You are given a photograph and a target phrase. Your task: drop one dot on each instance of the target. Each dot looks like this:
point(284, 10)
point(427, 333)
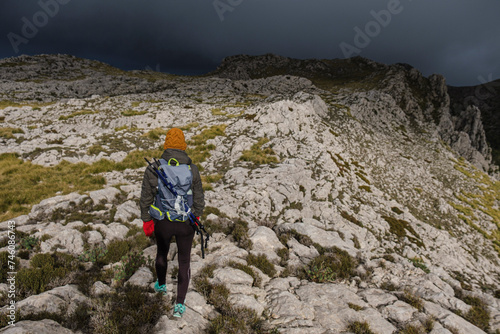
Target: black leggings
point(184, 234)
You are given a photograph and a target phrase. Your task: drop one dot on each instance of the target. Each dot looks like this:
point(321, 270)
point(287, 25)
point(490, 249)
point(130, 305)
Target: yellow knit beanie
point(175, 139)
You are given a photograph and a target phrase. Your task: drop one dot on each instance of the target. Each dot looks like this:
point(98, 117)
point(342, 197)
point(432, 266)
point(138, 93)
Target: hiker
point(164, 229)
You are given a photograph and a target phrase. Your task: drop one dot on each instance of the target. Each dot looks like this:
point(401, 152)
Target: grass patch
point(350, 218)
point(189, 126)
point(131, 112)
point(34, 182)
point(7, 103)
point(355, 307)
point(258, 155)
point(198, 150)
point(95, 149)
point(207, 180)
point(362, 177)
point(77, 113)
point(156, 134)
point(8, 133)
point(485, 199)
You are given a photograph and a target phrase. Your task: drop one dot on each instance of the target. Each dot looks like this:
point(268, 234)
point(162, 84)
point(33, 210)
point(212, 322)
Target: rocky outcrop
point(423, 100)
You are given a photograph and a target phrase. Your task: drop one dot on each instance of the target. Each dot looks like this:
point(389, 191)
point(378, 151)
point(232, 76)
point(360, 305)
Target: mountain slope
point(339, 172)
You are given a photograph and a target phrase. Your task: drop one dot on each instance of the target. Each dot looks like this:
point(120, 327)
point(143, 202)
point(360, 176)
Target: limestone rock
point(142, 277)
point(99, 288)
point(107, 195)
point(45, 326)
point(127, 211)
point(265, 242)
point(65, 298)
point(67, 240)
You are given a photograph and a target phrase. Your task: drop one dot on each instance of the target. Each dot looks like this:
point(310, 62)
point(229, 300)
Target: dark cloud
point(456, 38)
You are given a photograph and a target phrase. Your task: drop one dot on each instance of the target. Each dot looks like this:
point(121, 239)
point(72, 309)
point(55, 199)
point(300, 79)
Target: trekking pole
point(199, 228)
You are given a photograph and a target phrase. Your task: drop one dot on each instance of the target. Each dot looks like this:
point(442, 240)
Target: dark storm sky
point(459, 39)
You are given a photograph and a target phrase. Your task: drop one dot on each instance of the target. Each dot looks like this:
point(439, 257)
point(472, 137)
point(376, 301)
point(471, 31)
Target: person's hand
point(148, 227)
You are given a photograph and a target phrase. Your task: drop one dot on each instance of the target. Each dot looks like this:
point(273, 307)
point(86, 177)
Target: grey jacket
point(150, 184)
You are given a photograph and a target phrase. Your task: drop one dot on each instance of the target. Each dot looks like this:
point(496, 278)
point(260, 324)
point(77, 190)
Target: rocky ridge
point(344, 165)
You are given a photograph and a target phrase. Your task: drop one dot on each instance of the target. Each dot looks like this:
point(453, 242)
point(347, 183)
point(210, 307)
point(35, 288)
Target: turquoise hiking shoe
point(179, 310)
point(162, 289)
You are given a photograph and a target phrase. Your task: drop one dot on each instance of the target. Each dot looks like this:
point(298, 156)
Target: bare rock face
point(309, 166)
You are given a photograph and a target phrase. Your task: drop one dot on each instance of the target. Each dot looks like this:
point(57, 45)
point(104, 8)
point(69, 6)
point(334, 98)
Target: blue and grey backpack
point(166, 204)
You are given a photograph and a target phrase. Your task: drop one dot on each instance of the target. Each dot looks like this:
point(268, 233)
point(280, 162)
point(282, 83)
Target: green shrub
point(239, 231)
point(130, 263)
point(428, 324)
point(301, 238)
point(237, 320)
point(284, 255)
point(419, 263)
point(29, 242)
point(389, 257)
point(412, 329)
point(331, 264)
point(138, 242)
point(45, 268)
point(396, 210)
point(95, 254)
point(478, 315)
point(412, 299)
point(133, 230)
point(130, 310)
point(86, 279)
point(116, 250)
point(42, 260)
point(262, 262)
point(23, 254)
point(359, 327)
point(355, 307)
point(399, 227)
